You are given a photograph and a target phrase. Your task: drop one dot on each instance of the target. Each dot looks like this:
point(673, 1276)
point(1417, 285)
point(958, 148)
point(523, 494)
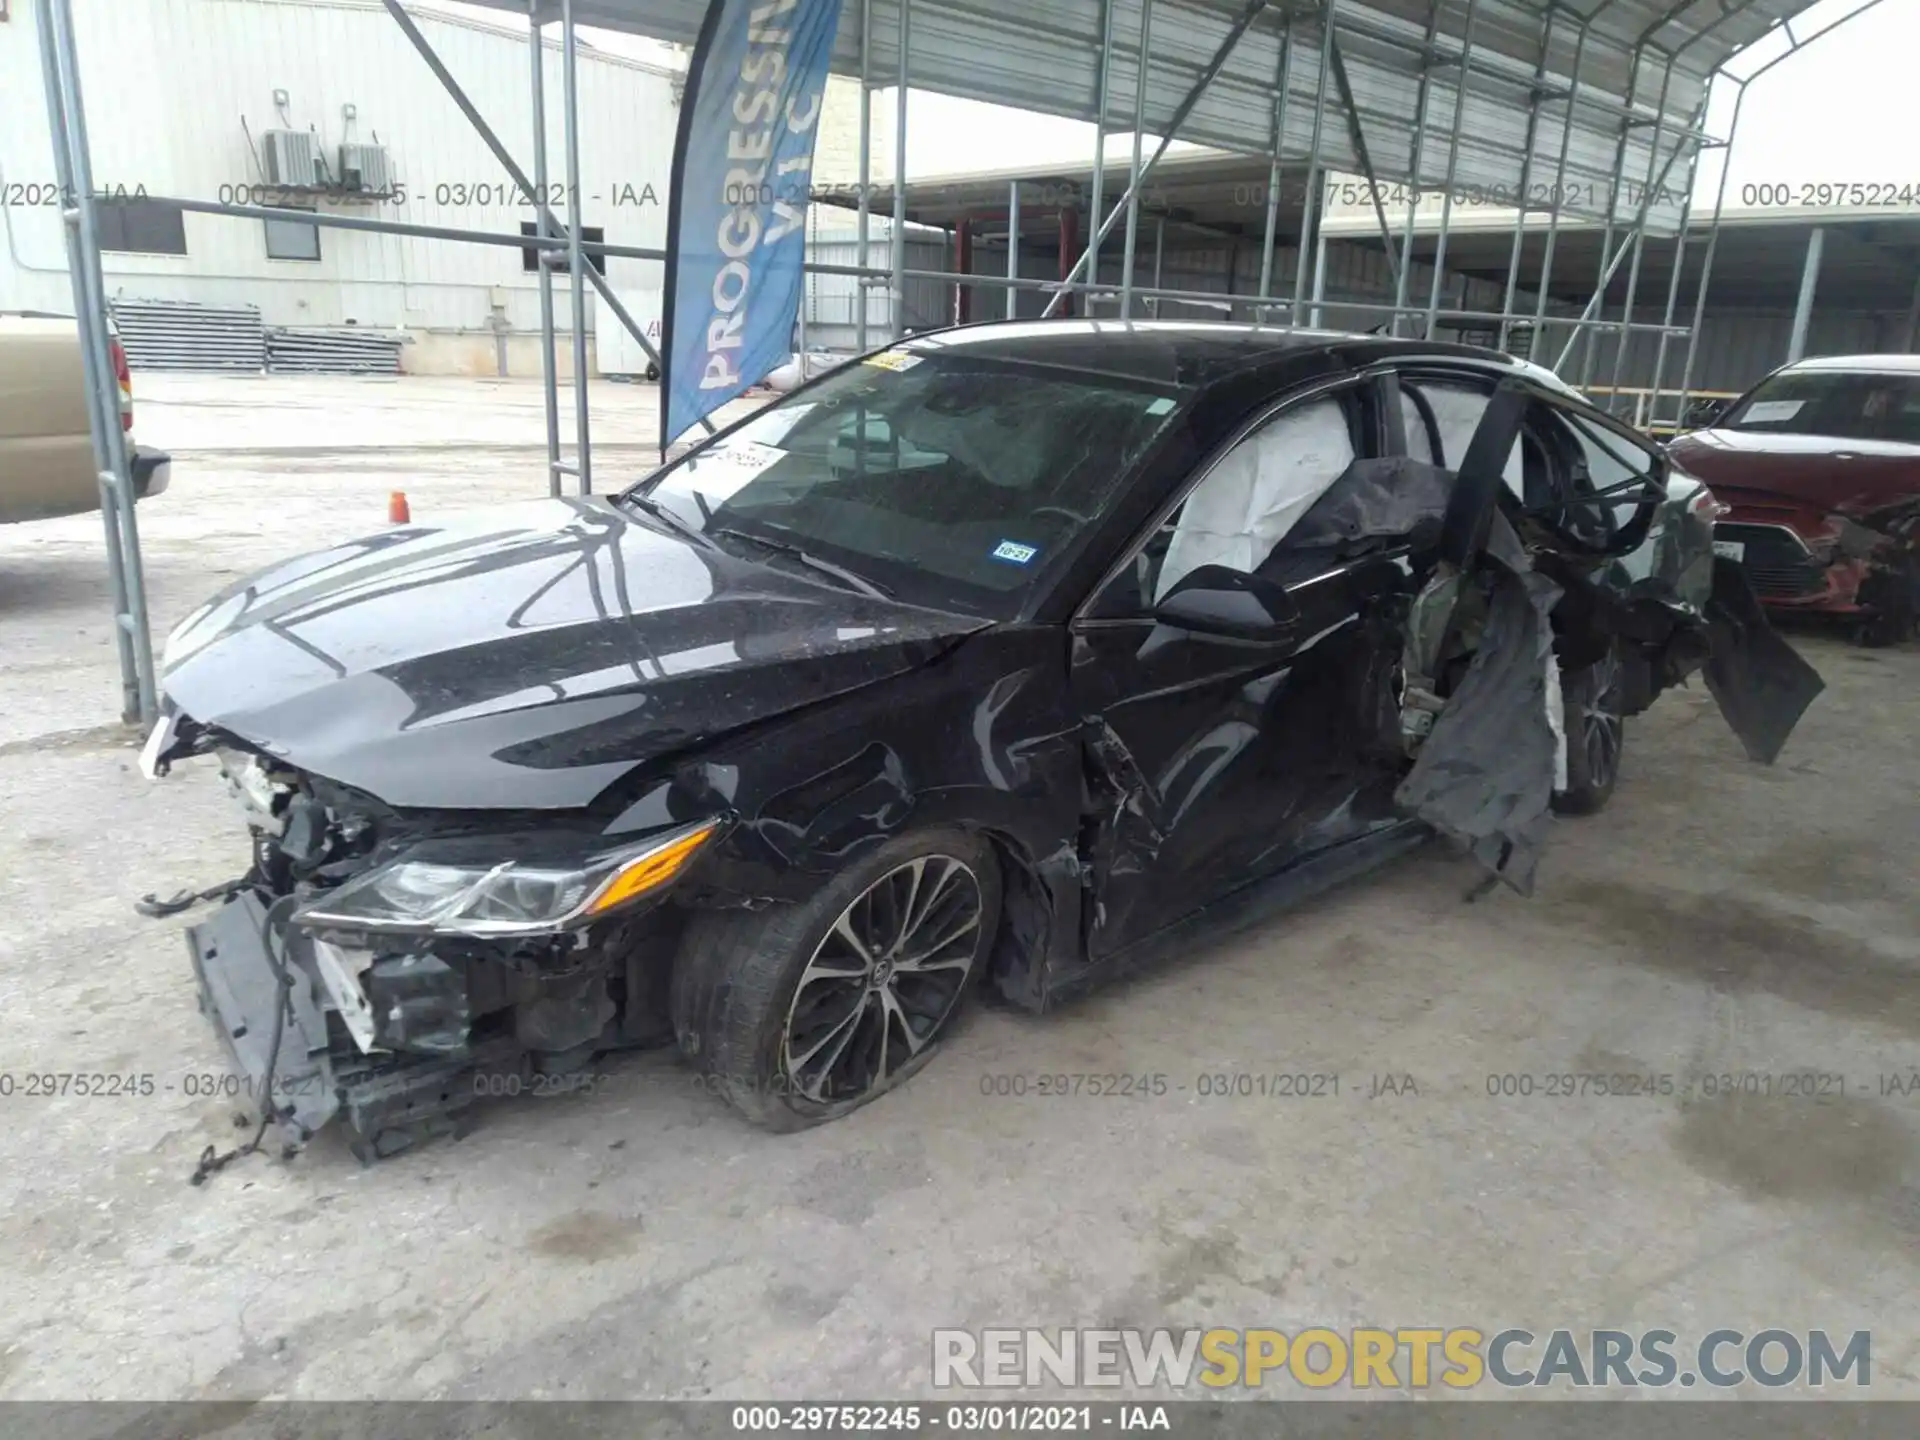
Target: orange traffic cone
point(397, 511)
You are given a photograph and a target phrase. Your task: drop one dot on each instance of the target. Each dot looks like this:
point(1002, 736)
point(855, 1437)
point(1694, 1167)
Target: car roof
point(1186, 353)
point(1870, 364)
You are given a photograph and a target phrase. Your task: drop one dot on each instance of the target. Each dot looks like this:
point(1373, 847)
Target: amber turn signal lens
point(651, 870)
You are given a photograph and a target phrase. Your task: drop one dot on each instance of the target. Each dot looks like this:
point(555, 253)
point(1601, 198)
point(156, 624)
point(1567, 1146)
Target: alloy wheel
point(882, 981)
point(1599, 718)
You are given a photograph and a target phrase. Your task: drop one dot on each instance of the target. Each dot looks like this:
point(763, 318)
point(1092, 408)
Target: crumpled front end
point(1800, 557)
point(424, 963)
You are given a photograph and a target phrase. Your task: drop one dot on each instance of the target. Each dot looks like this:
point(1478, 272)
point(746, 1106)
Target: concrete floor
point(1720, 918)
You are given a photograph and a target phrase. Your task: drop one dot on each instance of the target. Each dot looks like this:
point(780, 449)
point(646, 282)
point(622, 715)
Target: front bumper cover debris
point(240, 986)
point(386, 1102)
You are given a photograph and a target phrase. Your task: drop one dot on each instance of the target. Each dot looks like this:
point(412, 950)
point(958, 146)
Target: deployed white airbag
point(1247, 503)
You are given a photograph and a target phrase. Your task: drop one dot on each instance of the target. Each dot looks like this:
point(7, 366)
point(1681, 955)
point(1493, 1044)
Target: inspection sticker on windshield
point(1014, 552)
point(749, 455)
point(1762, 412)
point(894, 360)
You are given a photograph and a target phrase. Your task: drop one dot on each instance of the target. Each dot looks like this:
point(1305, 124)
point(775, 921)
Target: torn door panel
point(1485, 773)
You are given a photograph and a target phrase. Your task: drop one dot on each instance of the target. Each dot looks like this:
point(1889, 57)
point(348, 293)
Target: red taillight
point(126, 382)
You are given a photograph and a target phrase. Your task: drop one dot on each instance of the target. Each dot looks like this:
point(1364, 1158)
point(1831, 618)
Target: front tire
point(1596, 734)
point(802, 1013)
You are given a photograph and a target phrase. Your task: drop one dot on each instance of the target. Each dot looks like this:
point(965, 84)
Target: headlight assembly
point(421, 893)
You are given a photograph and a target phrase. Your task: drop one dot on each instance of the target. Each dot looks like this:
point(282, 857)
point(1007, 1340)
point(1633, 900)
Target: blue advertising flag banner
point(742, 172)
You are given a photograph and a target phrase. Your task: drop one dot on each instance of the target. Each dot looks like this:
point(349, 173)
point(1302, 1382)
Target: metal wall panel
point(168, 81)
point(832, 301)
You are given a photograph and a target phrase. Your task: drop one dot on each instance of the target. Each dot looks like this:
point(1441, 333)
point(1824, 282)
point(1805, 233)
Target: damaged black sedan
point(1001, 658)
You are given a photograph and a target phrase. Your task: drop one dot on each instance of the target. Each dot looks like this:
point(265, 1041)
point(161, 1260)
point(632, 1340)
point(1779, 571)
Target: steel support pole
point(1809, 281)
point(897, 289)
point(1133, 172)
point(1694, 132)
point(549, 377)
point(1013, 248)
point(1640, 235)
point(1309, 207)
point(1160, 254)
point(1215, 298)
point(1453, 167)
point(1673, 285)
point(1556, 195)
point(1524, 199)
point(806, 297)
point(576, 261)
point(1282, 75)
point(1583, 334)
point(1581, 328)
point(1713, 231)
point(507, 163)
point(862, 224)
point(1713, 247)
point(1912, 332)
point(1586, 337)
point(516, 242)
point(1179, 118)
point(1627, 119)
point(1365, 159)
point(73, 169)
point(1416, 157)
point(1103, 91)
point(1318, 319)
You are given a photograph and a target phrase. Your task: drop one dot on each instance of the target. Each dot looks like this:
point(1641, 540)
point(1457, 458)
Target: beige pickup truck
point(46, 451)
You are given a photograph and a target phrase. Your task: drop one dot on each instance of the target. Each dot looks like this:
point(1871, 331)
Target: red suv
point(1820, 463)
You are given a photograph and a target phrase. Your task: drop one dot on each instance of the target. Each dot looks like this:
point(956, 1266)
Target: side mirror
point(1214, 600)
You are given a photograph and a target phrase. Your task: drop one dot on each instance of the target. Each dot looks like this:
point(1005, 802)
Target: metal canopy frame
point(1515, 79)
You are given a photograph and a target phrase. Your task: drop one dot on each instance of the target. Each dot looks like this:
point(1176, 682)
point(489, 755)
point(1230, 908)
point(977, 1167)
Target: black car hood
point(526, 656)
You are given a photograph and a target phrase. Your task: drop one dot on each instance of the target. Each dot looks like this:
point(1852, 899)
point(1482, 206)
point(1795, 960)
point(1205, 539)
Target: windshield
point(945, 480)
point(1848, 406)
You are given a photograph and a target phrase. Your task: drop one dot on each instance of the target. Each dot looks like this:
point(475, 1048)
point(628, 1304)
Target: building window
point(290, 240)
point(589, 234)
point(139, 226)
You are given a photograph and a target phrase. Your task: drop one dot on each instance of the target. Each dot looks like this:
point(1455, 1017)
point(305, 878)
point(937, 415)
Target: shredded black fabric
point(154, 908)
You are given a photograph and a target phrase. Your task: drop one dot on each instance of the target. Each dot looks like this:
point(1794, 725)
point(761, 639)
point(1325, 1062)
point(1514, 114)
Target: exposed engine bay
point(394, 1032)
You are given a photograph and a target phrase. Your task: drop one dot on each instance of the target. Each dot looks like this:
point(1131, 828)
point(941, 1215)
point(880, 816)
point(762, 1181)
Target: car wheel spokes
point(1600, 721)
point(883, 979)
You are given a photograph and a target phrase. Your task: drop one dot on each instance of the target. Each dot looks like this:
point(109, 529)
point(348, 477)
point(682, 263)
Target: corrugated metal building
point(182, 97)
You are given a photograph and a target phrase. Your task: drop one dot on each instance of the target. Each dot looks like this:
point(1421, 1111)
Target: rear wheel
point(801, 1013)
point(1596, 734)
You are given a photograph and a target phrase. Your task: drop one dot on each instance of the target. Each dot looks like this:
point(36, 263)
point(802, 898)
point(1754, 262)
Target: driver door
point(1214, 760)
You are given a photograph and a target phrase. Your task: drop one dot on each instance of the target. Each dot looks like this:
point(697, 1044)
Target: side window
point(1242, 507)
point(1588, 460)
point(1456, 410)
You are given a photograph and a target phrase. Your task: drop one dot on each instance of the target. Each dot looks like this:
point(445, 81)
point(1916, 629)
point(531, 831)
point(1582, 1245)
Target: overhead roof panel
point(1042, 55)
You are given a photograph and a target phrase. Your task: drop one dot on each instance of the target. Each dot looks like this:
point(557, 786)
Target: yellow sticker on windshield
point(893, 360)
